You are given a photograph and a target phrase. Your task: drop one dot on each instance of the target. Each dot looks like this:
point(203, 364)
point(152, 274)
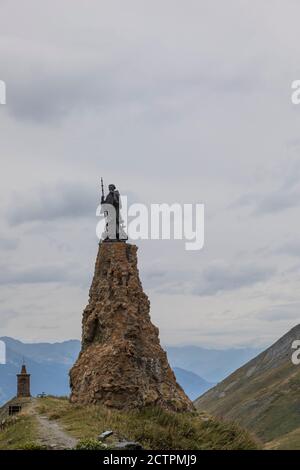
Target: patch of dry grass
point(19, 433)
point(154, 428)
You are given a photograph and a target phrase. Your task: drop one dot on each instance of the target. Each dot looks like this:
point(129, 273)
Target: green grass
point(290, 441)
point(267, 405)
point(90, 444)
point(19, 433)
point(153, 428)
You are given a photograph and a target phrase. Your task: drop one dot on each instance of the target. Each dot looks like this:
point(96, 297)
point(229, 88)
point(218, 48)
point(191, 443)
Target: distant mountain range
point(192, 383)
point(212, 364)
point(48, 365)
point(263, 395)
point(197, 369)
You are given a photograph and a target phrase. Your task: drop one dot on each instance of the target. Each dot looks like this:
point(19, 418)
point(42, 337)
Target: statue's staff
point(102, 189)
point(103, 198)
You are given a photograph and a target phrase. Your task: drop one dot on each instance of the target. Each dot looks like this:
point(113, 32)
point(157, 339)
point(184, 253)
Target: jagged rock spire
point(121, 363)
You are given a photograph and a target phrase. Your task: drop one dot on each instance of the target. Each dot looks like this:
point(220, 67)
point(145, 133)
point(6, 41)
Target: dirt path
point(51, 433)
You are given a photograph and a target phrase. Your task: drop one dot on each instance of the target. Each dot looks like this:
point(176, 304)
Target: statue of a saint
point(111, 206)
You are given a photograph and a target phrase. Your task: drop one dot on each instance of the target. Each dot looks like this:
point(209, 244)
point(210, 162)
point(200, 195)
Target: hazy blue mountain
point(211, 364)
point(47, 363)
point(192, 384)
point(196, 368)
point(64, 352)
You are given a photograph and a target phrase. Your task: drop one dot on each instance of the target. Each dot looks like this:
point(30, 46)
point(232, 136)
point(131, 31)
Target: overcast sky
point(173, 101)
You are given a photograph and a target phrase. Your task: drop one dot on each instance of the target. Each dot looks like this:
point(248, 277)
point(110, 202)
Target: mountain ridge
point(43, 357)
point(49, 364)
point(262, 395)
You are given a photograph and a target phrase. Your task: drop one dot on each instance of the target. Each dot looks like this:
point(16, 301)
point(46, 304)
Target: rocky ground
point(50, 433)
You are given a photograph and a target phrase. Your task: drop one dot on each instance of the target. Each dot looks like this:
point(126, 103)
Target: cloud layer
point(173, 102)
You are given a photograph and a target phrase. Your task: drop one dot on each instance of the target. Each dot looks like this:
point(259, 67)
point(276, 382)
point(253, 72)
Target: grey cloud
point(7, 314)
point(8, 243)
point(291, 248)
point(285, 179)
point(224, 277)
point(65, 200)
point(285, 197)
point(183, 106)
point(281, 312)
point(271, 203)
point(243, 201)
point(217, 277)
point(276, 202)
point(33, 275)
point(46, 83)
point(169, 280)
point(50, 98)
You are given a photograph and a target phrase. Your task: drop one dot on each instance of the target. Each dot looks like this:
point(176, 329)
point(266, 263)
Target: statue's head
point(111, 187)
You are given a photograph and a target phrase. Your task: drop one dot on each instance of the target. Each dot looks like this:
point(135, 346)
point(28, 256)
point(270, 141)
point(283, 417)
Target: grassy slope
point(287, 442)
point(153, 428)
point(19, 433)
point(267, 405)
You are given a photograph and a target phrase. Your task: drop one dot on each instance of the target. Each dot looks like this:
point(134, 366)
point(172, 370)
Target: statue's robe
point(113, 198)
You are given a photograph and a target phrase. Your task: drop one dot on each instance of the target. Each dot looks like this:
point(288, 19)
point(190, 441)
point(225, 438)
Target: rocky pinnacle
point(121, 363)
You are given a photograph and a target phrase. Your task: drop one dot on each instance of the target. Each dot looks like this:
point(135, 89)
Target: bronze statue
point(111, 205)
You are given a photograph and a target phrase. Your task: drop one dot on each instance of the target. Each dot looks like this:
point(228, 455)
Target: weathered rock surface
point(122, 364)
